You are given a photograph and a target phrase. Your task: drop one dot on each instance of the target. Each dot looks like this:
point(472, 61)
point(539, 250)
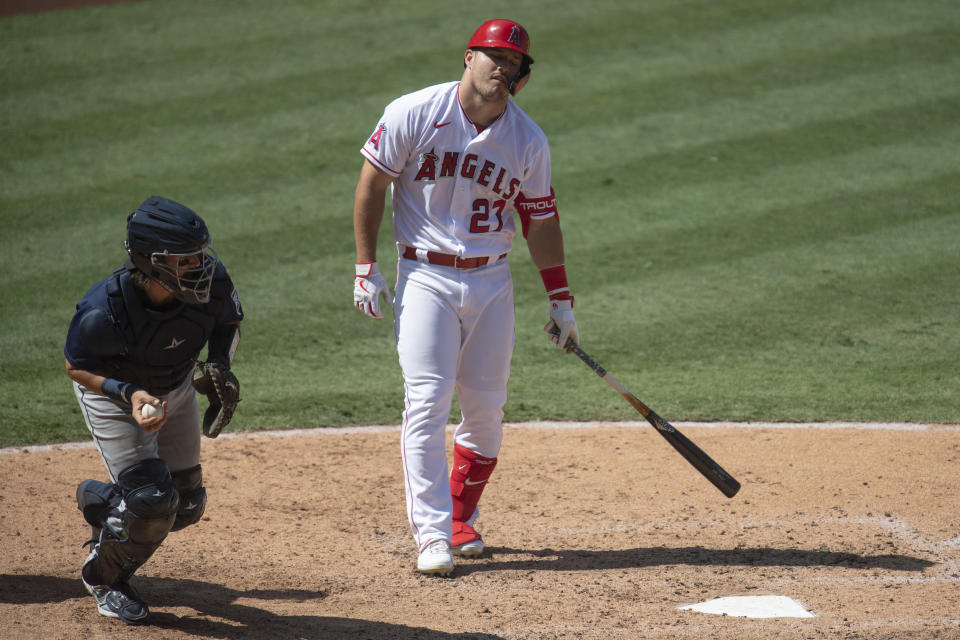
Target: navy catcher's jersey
point(114, 334)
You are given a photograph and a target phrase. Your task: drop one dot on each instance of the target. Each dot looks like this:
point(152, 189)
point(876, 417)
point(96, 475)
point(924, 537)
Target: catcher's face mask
point(188, 276)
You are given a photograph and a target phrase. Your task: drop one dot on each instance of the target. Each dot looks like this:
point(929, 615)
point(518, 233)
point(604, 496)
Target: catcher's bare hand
point(153, 423)
point(222, 389)
point(368, 287)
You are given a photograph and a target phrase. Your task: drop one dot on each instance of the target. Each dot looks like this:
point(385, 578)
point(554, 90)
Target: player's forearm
point(223, 343)
point(110, 387)
point(368, 206)
point(545, 243)
point(365, 230)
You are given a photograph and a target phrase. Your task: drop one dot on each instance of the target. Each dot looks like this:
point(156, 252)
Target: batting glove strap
point(365, 269)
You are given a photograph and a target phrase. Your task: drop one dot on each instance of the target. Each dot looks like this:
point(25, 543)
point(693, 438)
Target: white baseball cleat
point(435, 558)
point(469, 549)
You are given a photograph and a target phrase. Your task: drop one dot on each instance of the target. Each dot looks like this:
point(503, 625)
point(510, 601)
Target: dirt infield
point(593, 532)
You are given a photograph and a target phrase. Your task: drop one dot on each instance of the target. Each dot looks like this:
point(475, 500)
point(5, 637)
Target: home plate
point(752, 607)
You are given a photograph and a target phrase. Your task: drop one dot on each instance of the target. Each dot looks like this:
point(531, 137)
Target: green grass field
point(759, 197)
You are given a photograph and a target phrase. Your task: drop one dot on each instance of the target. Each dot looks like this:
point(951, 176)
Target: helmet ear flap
point(522, 73)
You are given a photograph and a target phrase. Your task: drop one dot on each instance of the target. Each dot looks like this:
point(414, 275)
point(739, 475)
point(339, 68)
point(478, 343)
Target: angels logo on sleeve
point(374, 140)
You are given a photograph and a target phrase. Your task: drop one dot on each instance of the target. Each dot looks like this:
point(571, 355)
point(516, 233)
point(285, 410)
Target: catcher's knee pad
point(136, 527)
point(150, 501)
point(467, 479)
point(193, 497)
point(95, 499)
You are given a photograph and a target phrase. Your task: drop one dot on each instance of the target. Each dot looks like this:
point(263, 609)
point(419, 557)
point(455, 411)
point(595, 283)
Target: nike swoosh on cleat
point(470, 483)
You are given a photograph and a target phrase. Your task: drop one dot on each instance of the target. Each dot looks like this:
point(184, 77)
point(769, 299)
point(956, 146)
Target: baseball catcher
point(131, 350)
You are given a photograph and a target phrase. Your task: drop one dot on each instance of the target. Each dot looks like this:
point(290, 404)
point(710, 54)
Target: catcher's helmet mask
point(161, 229)
point(504, 34)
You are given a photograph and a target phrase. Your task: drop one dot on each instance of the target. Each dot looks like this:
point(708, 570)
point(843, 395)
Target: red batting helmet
point(502, 33)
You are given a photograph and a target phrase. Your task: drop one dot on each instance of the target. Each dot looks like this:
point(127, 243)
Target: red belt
point(447, 260)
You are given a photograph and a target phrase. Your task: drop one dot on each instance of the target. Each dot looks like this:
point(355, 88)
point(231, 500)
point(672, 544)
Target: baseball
point(150, 411)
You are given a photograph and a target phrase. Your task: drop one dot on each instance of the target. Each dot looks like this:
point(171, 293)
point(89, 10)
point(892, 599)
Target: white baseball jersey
point(457, 184)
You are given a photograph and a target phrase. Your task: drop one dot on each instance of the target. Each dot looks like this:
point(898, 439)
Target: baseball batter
point(459, 159)
point(130, 351)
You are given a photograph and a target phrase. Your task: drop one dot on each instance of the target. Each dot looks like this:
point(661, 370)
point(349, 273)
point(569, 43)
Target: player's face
point(492, 70)
point(190, 274)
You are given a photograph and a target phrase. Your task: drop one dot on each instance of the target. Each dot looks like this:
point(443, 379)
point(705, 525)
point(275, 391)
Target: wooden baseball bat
point(694, 454)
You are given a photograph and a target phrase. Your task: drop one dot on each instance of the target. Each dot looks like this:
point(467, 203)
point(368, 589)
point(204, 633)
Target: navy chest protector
point(160, 347)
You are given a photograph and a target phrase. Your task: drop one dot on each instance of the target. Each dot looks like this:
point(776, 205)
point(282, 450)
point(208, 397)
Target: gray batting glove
point(368, 287)
point(562, 324)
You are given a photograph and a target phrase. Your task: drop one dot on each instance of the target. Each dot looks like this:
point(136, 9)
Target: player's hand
point(154, 423)
point(562, 324)
point(368, 287)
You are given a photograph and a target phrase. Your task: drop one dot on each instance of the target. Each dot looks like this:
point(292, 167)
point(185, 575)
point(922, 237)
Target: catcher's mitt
point(222, 389)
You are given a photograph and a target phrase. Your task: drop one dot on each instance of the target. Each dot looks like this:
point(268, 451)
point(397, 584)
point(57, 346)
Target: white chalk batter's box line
point(334, 431)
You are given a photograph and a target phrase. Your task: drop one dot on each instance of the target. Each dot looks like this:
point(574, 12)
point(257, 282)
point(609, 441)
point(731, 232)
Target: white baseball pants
point(455, 333)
